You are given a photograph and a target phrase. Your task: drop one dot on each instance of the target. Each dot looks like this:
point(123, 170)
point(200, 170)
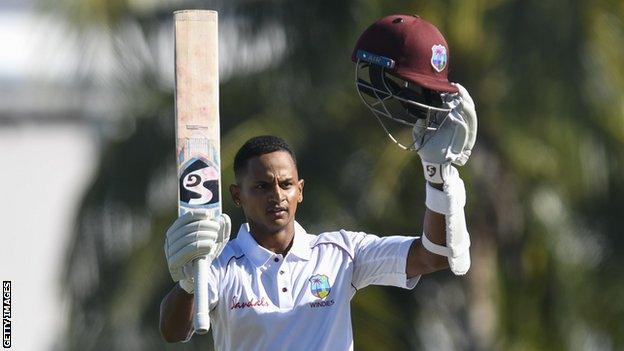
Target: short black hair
point(257, 146)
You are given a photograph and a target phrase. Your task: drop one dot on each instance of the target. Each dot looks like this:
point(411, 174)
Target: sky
point(33, 46)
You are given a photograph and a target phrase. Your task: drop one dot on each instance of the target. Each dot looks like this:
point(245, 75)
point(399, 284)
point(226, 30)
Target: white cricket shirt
point(260, 300)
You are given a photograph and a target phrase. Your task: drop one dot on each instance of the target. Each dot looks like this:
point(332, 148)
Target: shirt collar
point(259, 256)
point(301, 243)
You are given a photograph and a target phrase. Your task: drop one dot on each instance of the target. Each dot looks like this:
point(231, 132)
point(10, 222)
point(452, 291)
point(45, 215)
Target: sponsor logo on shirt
point(253, 303)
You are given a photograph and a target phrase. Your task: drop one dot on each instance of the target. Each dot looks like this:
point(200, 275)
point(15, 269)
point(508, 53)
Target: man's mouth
point(277, 210)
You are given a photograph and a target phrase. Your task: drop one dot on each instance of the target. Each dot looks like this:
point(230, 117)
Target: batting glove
point(194, 235)
point(451, 139)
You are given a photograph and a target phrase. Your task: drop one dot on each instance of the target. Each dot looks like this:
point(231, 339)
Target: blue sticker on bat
point(375, 59)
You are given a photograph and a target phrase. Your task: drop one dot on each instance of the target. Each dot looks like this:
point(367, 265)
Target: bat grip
point(201, 319)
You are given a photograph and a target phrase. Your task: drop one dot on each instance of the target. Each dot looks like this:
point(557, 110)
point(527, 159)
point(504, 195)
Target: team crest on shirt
point(438, 57)
point(319, 285)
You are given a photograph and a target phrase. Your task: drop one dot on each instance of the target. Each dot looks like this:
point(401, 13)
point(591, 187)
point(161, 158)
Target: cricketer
point(278, 287)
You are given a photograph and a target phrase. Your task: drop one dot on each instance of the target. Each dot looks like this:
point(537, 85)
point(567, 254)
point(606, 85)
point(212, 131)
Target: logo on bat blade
point(199, 184)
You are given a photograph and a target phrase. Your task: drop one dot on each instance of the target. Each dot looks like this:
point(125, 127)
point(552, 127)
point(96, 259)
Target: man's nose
point(276, 193)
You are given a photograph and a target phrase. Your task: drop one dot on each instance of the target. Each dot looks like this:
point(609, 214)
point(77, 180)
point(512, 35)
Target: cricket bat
point(197, 130)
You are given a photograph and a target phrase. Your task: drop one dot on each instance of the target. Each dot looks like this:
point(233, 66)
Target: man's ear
point(300, 186)
point(235, 193)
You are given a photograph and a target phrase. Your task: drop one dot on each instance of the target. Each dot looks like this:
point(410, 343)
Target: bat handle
point(201, 319)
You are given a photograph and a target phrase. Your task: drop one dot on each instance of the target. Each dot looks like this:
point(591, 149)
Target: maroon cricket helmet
point(418, 49)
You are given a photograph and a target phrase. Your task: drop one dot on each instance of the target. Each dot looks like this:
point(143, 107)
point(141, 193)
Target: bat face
point(197, 130)
point(197, 111)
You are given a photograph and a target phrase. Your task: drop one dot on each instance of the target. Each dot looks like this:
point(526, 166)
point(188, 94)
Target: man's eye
point(260, 186)
point(286, 185)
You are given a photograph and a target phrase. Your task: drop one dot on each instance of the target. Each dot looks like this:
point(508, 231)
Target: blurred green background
point(544, 184)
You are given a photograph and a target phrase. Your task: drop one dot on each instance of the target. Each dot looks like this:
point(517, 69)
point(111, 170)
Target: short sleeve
point(380, 261)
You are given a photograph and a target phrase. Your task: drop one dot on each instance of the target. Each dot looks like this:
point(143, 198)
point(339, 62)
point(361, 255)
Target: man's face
point(269, 190)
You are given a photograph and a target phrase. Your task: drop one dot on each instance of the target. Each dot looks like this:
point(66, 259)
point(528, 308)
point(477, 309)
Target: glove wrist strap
point(437, 173)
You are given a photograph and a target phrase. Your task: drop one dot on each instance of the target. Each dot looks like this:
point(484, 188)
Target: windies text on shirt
point(321, 303)
point(253, 303)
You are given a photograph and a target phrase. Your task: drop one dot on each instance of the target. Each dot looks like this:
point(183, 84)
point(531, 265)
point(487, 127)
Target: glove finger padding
point(178, 243)
point(194, 235)
point(225, 225)
point(448, 137)
point(200, 225)
point(188, 218)
point(459, 136)
point(467, 110)
point(442, 146)
point(444, 142)
point(194, 249)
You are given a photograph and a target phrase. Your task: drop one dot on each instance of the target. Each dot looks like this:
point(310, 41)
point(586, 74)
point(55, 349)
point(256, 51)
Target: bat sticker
point(199, 184)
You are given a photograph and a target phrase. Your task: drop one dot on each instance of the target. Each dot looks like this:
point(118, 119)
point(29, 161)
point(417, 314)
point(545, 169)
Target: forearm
point(420, 260)
point(176, 315)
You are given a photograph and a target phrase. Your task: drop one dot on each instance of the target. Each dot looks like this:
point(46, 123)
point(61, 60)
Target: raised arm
point(445, 241)
point(420, 260)
point(191, 236)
